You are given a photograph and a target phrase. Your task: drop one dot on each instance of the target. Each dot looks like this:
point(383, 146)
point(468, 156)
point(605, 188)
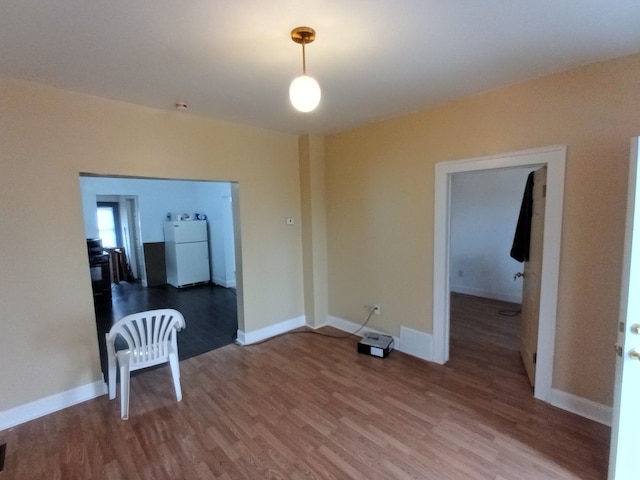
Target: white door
point(623, 461)
point(530, 316)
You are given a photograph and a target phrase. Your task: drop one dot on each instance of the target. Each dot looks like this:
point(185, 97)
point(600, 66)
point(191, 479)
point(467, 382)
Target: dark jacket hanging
point(522, 237)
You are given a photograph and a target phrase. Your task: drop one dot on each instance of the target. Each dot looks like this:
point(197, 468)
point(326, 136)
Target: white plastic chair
point(151, 339)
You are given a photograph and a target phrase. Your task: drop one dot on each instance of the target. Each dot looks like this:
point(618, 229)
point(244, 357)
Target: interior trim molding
point(53, 403)
point(412, 342)
point(416, 343)
point(554, 157)
point(224, 282)
point(477, 292)
point(247, 338)
point(581, 406)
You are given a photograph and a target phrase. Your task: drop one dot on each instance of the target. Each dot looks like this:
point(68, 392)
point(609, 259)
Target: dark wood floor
point(304, 406)
point(210, 313)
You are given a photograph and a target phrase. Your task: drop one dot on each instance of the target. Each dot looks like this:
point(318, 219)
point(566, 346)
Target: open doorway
point(136, 211)
point(119, 228)
point(554, 158)
point(484, 211)
point(486, 283)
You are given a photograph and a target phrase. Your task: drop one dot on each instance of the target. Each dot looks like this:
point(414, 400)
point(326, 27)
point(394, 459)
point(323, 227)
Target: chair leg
point(124, 391)
point(111, 363)
point(175, 372)
point(112, 377)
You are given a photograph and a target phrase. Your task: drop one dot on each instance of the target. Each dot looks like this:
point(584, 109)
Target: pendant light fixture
point(304, 91)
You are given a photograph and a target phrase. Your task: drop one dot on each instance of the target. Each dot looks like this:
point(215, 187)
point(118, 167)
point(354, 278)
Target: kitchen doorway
point(143, 206)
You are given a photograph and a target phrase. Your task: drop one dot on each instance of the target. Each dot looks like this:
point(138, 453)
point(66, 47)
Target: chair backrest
point(149, 335)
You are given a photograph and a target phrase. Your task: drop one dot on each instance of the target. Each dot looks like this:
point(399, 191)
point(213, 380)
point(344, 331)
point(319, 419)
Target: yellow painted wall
point(379, 212)
point(48, 340)
point(314, 229)
point(380, 202)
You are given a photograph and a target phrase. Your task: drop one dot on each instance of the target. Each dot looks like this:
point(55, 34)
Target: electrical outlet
point(376, 309)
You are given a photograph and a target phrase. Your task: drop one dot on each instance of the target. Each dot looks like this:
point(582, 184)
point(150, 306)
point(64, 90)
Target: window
point(109, 224)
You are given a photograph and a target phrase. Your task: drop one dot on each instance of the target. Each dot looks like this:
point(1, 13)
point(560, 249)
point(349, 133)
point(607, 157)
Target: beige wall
point(47, 137)
point(380, 200)
point(314, 229)
point(379, 213)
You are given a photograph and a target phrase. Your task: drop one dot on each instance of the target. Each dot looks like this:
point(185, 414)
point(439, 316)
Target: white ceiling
point(234, 60)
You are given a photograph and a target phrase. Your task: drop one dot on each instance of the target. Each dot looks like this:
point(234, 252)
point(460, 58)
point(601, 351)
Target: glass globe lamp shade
point(304, 93)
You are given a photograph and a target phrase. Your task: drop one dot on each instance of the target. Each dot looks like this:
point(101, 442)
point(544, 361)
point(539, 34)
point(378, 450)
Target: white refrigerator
point(186, 252)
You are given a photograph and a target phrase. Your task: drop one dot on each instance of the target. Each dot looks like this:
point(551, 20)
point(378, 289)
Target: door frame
point(135, 238)
point(554, 157)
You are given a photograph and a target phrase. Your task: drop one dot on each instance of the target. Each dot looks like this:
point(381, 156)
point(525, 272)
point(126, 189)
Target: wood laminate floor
point(304, 406)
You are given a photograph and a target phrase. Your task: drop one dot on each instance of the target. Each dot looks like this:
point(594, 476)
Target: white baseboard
point(224, 282)
point(412, 342)
point(347, 326)
point(53, 403)
point(416, 343)
point(581, 406)
point(271, 331)
point(477, 292)
point(351, 327)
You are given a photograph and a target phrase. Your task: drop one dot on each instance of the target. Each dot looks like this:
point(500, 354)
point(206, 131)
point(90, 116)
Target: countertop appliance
point(186, 252)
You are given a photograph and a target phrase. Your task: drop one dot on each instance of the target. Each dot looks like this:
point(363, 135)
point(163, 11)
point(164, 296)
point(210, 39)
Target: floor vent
point(3, 450)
